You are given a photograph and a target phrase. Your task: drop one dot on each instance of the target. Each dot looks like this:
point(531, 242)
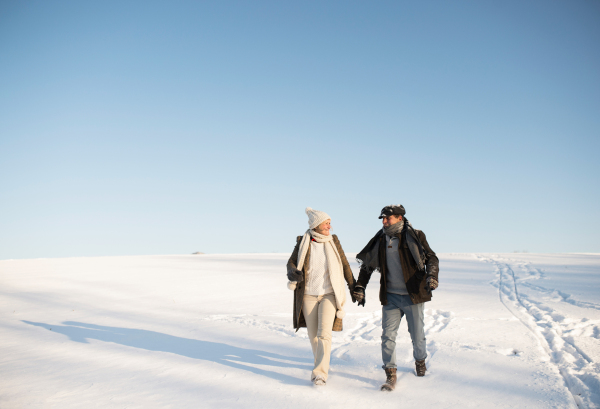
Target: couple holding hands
point(318, 268)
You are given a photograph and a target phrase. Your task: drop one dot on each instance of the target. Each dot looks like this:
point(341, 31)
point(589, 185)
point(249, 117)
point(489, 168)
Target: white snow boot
point(319, 381)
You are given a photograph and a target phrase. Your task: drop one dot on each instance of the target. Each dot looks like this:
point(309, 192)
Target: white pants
point(319, 314)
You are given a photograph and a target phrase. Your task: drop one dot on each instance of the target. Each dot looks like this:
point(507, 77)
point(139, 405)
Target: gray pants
point(398, 306)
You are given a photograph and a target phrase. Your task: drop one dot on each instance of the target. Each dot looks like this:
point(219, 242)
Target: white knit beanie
point(315, 217)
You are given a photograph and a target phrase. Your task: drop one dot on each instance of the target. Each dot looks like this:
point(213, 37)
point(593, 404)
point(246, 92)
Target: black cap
point(395, 210)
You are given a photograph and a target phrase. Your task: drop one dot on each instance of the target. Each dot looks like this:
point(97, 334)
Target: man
point(409, 272)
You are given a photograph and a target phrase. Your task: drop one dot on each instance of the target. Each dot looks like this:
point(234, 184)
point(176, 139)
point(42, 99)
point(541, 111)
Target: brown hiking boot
point(390, 382)
point(421, 368)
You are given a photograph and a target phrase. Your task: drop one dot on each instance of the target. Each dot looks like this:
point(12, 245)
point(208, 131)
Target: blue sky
point(175, 127)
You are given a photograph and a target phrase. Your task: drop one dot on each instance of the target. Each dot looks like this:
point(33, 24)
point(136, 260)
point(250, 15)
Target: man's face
point(389, 220)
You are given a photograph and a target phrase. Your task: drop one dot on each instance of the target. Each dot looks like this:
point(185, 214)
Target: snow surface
point(215, 331)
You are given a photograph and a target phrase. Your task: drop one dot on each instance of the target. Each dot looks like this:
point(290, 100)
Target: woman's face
point(324, 227)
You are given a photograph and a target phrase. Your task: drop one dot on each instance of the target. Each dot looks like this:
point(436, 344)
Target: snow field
point(208, 331)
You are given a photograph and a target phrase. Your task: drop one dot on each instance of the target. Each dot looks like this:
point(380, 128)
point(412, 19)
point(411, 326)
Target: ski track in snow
point(555, 333)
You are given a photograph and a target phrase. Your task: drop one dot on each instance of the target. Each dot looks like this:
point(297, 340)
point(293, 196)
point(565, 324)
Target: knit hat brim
point(316, 217)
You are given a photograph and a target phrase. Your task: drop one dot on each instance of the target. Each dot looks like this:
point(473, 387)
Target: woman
point(316, 272)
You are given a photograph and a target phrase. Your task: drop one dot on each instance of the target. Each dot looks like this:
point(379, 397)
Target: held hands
point(358, 295)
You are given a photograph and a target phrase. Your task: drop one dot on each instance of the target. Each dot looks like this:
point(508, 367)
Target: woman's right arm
point(293, 272)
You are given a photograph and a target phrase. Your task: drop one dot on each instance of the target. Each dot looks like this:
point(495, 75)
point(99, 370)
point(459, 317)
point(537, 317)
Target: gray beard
point(394, 229)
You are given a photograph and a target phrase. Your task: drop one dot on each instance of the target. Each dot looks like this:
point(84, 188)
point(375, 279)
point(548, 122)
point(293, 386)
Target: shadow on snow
point(235, 357)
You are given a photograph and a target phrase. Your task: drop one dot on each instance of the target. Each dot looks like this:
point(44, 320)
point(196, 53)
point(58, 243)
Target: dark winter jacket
point(299, 320)
point(414, 279)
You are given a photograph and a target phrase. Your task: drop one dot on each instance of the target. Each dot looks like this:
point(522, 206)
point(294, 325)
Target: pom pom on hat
point(340, 313)
point(315, 217)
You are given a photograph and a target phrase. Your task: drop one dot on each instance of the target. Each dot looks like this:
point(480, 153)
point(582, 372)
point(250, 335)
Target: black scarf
point(369, 257)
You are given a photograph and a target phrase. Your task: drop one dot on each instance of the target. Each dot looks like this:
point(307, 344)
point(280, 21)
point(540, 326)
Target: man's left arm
point(432, 265)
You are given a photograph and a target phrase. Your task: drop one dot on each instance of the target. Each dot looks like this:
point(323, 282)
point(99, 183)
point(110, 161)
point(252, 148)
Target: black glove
point(432, 283)
point(358, 295)
point(294, 274)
